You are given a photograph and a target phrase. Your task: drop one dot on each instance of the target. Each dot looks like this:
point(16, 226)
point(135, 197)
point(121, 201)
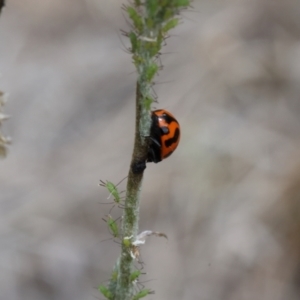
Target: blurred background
point(228, 198)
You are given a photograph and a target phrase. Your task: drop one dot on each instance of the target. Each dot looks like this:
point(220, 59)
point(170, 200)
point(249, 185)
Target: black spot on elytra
point(172, 140)
point(168, 118)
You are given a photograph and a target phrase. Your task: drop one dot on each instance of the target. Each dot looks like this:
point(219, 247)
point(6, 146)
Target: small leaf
point(142, 294)
point(151, 71)
point(152, 7)
point(105, 292)
point(147, 103)
point(137, 60)
point(170, 25)
point(134, 275)
point(136, 19)
point(134, 42)
point(152, 46)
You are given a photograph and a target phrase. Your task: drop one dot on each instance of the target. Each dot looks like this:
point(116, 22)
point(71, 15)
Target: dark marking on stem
point(138, 167)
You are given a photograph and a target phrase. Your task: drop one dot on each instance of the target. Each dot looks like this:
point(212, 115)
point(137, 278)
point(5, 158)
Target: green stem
point(151, 22)
point(124, 289)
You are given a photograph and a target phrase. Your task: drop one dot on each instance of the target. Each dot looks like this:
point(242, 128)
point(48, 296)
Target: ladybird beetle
point(164, 135)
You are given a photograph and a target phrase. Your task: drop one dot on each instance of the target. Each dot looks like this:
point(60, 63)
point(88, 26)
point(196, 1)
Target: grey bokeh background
point(228, 198)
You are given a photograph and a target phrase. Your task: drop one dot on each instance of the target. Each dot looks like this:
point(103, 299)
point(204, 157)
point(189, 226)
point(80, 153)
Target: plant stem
point(151, 22)
point(124, 288)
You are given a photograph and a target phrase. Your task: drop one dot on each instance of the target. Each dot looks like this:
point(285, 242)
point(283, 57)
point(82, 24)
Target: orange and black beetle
point(164, 135)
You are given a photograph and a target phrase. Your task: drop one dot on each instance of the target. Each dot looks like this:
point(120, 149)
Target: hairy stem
point(151, 20)
point(131, 211)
